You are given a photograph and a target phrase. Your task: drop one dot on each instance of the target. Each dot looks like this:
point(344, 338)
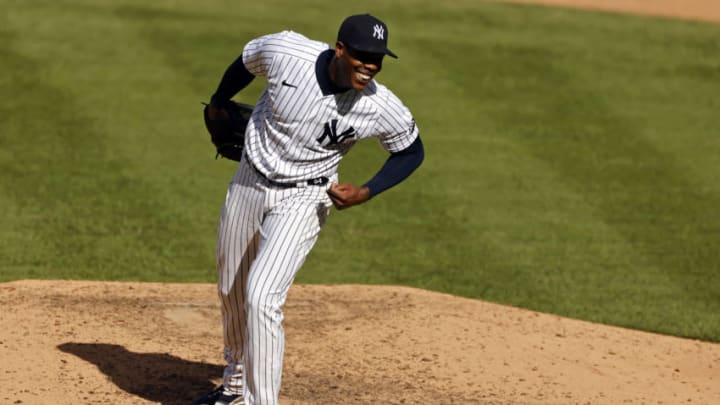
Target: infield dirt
point(137, 343)
point(69, 342)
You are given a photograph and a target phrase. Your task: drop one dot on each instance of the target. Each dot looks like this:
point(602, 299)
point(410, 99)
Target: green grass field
point(572, 158)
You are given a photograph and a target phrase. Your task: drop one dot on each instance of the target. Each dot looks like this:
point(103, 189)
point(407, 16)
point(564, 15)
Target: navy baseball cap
point(365, 33)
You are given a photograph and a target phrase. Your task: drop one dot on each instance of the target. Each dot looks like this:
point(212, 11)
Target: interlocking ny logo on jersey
point(330, 134)
point(378, 31)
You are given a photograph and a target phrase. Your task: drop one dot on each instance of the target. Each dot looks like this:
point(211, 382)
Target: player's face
point(355, 68)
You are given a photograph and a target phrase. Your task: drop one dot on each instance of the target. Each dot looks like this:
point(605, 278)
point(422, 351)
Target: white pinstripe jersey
point(298, 132)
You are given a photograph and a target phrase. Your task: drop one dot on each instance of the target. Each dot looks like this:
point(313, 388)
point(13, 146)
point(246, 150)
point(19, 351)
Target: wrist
point(365, 193)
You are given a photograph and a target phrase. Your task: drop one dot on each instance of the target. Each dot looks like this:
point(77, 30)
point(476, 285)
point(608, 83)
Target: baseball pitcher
point(318, 102)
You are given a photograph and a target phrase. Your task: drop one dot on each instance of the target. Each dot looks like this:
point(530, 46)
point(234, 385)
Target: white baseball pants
point(265, 233)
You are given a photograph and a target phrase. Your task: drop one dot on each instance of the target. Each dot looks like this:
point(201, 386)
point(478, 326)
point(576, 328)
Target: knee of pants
point(261, 305)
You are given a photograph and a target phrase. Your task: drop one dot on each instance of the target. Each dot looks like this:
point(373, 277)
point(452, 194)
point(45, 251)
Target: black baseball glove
point(227, 127)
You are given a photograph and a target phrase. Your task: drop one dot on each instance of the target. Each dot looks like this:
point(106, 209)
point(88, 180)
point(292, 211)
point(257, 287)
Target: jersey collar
point(322, 73)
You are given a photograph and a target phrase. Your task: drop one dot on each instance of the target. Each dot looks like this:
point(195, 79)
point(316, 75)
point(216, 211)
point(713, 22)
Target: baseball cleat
point(219, 396)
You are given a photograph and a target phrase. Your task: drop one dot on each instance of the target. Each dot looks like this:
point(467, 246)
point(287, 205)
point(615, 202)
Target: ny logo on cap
point(378, 31)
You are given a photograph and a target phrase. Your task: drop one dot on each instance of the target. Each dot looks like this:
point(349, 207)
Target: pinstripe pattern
point(264, 235)
point(265, 232)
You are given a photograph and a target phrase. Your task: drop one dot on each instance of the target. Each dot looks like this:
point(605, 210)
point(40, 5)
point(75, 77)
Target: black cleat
point(218, 396)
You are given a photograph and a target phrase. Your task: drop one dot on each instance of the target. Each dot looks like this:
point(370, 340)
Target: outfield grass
point(572, 157)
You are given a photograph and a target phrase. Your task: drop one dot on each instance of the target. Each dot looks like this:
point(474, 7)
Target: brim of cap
point(383, 51)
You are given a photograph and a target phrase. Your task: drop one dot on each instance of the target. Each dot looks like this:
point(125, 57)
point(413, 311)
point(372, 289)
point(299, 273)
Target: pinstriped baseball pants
point(264, 235)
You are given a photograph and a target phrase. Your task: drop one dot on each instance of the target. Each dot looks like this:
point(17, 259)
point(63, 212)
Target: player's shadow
point(156, 377)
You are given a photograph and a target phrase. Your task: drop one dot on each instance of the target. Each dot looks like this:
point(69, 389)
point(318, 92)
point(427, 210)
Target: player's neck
point(333, 74)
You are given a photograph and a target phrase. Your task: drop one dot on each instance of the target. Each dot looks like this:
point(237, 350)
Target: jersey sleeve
point(396, 126)
point(259, 53)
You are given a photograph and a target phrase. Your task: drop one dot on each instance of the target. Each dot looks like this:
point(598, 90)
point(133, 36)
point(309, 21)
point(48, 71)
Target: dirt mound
point(136, 343)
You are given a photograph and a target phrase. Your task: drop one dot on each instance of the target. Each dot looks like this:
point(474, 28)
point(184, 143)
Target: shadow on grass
point(157, 377)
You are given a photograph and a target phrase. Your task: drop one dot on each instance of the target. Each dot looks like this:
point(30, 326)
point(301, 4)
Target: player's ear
point(339, 49)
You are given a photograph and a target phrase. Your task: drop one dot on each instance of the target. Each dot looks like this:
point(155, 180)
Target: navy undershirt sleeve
point(236, 78)
point(397, 168)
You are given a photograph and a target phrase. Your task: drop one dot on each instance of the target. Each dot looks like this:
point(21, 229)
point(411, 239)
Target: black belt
point(318, 181)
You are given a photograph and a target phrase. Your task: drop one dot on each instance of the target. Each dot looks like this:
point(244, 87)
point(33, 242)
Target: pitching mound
point(138, 343)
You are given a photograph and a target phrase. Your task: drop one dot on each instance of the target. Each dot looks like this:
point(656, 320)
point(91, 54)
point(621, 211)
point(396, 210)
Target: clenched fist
point(346, 195)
